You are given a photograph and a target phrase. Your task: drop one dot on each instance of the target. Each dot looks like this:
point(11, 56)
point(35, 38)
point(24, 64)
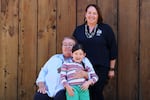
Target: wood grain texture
point(9, 49)
point(27, 49)
point(31, 31)
point(144, 49)
point(109, 13)
point(66, 20)
point(128, 36)
point(46, 31)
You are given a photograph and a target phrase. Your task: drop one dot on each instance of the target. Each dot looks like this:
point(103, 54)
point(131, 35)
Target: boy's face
point(78, 56)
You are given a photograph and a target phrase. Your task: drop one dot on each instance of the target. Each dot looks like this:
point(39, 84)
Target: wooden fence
point(32, 30)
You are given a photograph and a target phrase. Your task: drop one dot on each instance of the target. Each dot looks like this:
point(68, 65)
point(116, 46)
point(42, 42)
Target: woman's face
point(91, 16)
point(67, 45)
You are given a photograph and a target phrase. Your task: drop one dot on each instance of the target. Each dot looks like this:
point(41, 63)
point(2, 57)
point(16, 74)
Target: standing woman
point(100, 46)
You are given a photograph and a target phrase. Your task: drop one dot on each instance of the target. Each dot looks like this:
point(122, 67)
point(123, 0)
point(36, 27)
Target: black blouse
point(101, 48)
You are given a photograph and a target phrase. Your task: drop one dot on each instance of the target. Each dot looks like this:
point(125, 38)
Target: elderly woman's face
point(91, 15)
point(67, 45)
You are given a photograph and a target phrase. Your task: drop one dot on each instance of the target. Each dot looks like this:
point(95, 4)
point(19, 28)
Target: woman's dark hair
point(77, 46)
point(100, 19)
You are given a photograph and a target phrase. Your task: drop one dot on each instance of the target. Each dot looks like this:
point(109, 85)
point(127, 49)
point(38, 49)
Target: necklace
point(88, 34)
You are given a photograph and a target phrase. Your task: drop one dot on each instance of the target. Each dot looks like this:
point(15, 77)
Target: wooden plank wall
point(31, 31)
point(128, 40)
point(9, 50)
point(144, 63)
point(27, 48)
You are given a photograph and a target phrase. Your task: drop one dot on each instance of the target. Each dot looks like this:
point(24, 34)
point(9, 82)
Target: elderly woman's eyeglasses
point(67, 45)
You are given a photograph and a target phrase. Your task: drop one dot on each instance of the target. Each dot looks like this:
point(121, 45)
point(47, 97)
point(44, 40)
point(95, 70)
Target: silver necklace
point(88, 34)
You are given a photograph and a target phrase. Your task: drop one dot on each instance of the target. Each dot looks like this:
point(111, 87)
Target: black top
point(101, 48)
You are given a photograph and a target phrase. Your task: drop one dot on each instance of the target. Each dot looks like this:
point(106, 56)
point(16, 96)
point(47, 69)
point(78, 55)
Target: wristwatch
point(112, 69)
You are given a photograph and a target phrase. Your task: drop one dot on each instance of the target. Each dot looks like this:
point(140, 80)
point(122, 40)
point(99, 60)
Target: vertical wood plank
point(66, 20)
point(27, 48)
point(1, 7)
point(144, 49)
point(9, 50)
point(40, 35)
point(81, 6)
point(46, 30)
point(3, 56)
point(128, 36)
point(109, 14)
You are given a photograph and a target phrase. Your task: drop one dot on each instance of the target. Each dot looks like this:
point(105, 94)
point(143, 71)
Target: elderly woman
point(48, 81)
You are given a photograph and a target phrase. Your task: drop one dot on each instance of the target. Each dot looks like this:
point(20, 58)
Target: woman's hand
point(86, 85)
point(81, 74)
point(42, 88)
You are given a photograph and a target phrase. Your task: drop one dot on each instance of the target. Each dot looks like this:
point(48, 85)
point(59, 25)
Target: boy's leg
point(76, 95)
point(84, 95)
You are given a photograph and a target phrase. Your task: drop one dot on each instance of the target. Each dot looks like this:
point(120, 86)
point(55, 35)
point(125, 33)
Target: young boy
point(77, 88)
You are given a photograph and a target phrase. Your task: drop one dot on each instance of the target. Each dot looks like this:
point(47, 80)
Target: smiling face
point(67, 45)
point(91, 15)
point(78, 55)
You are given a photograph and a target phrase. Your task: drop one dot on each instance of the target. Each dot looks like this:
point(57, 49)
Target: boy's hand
point(69, 90)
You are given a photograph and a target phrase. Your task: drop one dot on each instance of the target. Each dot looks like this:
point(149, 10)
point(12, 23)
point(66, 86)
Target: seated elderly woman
point(48, 81)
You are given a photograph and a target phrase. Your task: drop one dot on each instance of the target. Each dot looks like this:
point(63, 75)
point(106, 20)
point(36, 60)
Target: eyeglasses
point(68, 45)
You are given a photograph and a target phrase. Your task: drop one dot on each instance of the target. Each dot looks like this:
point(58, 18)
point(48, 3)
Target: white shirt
point(50, 76)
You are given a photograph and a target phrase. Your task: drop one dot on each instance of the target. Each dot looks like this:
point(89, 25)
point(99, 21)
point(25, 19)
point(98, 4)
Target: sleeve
point(53, 63)
point(87, 62)
point(111, 42)
point(91, 72)
point(93, 76)
point(63, 75)
point(42, 73)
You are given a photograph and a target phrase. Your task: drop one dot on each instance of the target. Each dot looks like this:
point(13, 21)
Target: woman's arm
point(84, 74)
point(111, 73)
point(81, 74)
